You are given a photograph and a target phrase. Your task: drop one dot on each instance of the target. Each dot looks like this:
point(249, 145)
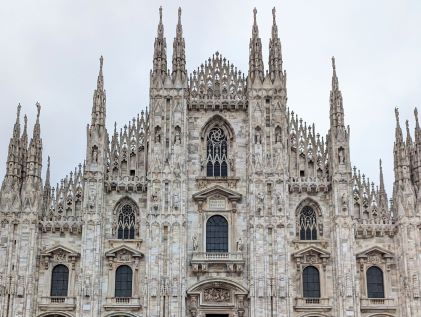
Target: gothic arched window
point(59, 280)
point(375, 283)
point(311, 282)
point(123, 281)
point(217, 234)
point(308, 224)
point(126, 222)
point(217, 153)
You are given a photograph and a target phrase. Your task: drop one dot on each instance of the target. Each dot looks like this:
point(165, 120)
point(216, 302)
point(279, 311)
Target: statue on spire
point(275, 52)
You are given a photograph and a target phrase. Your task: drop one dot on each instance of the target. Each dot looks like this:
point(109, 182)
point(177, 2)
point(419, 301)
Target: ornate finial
point(101, 62)
point(274, 15)
point(254, 15)
point(333, 63)
point(179, 15)
point(160, 14)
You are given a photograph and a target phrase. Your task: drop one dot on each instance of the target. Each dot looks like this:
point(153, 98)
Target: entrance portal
point(216, 315)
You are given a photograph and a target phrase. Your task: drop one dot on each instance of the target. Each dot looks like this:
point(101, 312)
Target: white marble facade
point(218, 201)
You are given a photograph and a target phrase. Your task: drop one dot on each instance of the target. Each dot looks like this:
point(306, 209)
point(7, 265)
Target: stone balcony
point(123, 303)
point(313, 304)
point(309, 184)
point(53, 303)
point(378, 304)
point(232, 262)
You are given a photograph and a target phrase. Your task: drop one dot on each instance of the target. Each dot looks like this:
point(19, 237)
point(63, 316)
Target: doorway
point(217, 315)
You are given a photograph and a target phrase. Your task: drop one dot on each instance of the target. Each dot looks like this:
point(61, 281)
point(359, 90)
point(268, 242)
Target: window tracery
point(217, 153)
point(126, 222)
point(308, 224)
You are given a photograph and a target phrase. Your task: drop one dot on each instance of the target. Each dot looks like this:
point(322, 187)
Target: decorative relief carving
point(216, 295)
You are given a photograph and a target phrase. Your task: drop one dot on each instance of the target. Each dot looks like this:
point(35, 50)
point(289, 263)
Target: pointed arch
point(217, 121)
point(308, 220)
point(126, 219)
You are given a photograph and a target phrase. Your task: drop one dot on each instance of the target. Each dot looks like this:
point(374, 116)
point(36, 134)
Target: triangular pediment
point(311, 250)
point(375, 250)
point(217, 190)
point(60, 249)
point(123, 249)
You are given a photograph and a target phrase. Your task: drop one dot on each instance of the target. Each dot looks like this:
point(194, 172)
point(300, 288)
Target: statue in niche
point(278, 137)
point(240, 245)
point(231, 162)
point(157, 134)
point(341, 155)
point(258, 137)
point(95, 154)
point(177, 137)
point(195, 243)
point(260, 197)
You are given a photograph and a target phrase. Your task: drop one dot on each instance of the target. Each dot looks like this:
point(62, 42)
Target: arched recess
point(314, 315)
point(217, 121)
point(382, 315)
point(217, 148)
point(210, 295)
point(122, 222)
point(122, 315)
point(304, 207)
point(60, 314)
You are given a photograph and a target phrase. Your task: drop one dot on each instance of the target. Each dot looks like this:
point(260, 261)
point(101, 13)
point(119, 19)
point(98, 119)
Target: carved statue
point(195, 244)
point(240, 245)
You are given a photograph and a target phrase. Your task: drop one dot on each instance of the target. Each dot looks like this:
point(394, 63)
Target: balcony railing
point(210, 261)
point(127, 303)
point(307, 303)
point(378, 304)
point(57, 302)
point(217, 256)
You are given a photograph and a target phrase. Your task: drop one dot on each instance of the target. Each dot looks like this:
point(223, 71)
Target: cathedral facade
point(217, 202)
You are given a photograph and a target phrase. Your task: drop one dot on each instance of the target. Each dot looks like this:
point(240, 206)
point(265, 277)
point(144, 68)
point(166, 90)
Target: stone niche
point(217, 296)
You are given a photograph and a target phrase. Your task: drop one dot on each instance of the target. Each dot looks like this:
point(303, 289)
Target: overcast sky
point(50, 50)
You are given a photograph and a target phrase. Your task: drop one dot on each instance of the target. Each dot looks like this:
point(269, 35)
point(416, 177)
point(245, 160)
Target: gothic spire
point(336, 102)
point(417, 127)
point(99, 99)
point(13, 156)
point(275, 52)
point(160, 50)
point(398, 130)
point(255, 52)
point(408, 134)
point(34, 158)
point(382, 190)
point(179, 54)
point(47, 174)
